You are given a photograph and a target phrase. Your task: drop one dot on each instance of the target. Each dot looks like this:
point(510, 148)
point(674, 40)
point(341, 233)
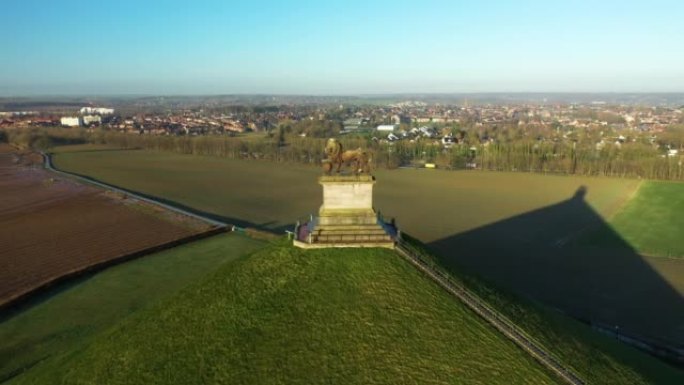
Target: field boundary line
point(18, 299)
point(500, 322)
point(47, 162)
point(625, 202)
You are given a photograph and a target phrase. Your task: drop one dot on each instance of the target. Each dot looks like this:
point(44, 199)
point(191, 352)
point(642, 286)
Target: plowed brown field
point(51, 227)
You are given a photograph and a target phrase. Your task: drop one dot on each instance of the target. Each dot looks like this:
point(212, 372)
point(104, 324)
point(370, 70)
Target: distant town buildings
point(97, 111)
point(17, 113)
point(386, 127)
point(600, 125)
point(91, 119)
point(88, 116)
point(352, 124)
point(70, 121)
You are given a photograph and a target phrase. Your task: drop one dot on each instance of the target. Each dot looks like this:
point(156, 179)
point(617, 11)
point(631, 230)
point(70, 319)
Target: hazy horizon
point(77, 48)
point(351, 95)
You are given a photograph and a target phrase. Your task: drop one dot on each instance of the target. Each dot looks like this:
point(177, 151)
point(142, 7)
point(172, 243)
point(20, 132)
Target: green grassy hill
point(69, 315)
point(490, 223)
point(284, 315)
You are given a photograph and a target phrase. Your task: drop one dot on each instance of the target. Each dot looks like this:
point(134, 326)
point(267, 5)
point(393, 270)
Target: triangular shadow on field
point(567, 257)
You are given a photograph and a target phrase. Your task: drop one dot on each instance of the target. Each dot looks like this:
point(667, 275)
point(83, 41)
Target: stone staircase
point(347, 217)
point(350, 234)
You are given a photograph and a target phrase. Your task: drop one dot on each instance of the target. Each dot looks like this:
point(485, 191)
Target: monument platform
point(347, 217)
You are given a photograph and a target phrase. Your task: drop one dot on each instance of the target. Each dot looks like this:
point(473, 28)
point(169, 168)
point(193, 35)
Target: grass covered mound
point(35, 336)
point(595, 357)
point(284, 315)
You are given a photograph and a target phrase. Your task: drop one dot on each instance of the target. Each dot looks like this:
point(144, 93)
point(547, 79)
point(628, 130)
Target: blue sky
point(339, 47)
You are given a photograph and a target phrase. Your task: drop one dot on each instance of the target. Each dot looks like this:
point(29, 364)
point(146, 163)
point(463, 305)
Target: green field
point(42, 332)
point(653, 222)
point(270, 317)
point(550, 238)
point(283, 315)
point(83, 148)
point(430, 204)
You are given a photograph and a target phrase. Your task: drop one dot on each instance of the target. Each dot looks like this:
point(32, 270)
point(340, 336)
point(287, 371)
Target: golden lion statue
point(337, 157)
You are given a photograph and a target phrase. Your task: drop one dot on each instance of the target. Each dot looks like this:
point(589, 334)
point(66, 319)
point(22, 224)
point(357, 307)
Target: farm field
point(52, 227)
point(242, 191)
point(653, 222)
point(53, 324)
point(269, 318)
point(538, 239)
point(84, 147)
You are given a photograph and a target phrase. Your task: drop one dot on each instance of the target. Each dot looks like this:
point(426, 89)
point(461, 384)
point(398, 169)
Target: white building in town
point(97, 110)
point(70, 121)
point(386, 127)
point(92, 119)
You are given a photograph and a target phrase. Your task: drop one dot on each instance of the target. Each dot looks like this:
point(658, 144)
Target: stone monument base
point(347, 217)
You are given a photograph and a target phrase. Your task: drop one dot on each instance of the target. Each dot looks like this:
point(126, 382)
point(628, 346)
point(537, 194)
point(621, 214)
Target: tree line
point(521, 154)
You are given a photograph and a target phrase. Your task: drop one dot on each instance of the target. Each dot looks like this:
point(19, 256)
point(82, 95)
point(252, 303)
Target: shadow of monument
point(567, 257)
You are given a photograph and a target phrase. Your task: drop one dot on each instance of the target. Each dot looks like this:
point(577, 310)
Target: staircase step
point(352, 232)
point(348, 227)
point(352, 238)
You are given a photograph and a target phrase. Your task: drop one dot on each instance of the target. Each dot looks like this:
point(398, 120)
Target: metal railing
point(504, 325)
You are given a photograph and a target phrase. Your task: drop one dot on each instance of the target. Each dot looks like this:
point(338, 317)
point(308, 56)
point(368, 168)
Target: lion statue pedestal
point(347, 217)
